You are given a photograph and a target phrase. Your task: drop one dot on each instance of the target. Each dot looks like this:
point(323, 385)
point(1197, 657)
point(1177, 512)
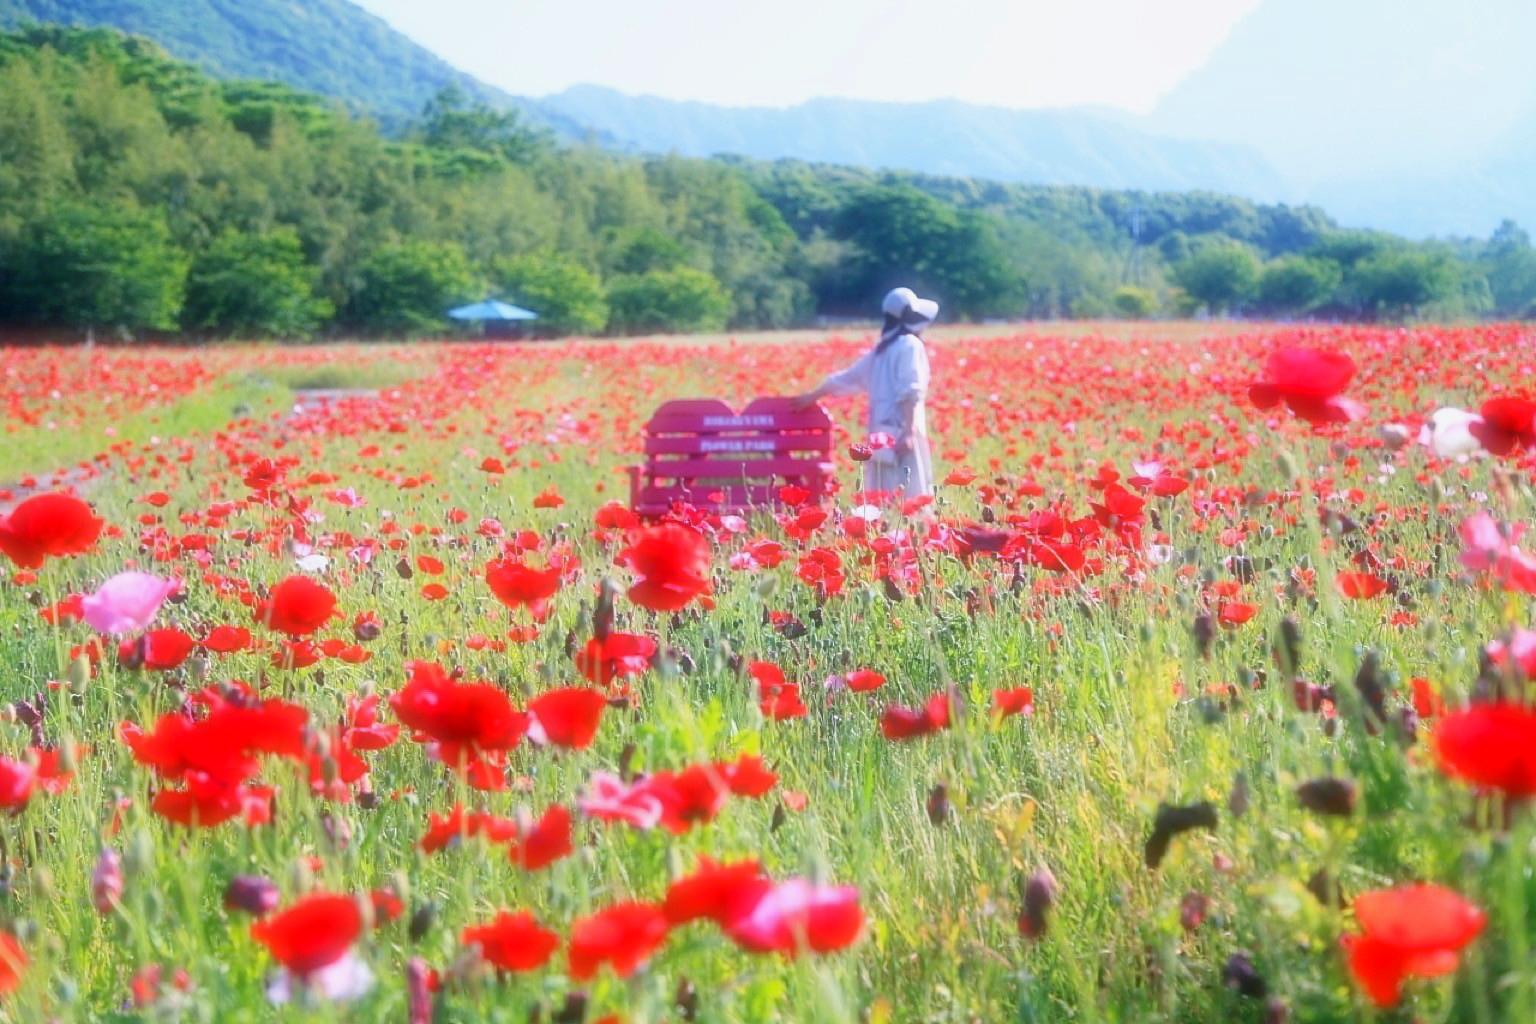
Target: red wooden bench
point(701, 451)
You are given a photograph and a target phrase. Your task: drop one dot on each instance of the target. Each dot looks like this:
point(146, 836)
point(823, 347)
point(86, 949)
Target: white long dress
point(889, 377)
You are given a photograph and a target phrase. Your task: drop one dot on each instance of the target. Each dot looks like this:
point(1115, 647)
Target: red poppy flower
point(545, 841)
point(1310, 382)
point(1019, 701)
point(1508, 423)
point(443, 829)
point(17, 779)
point(863, 680)
point(1490, 745)
point(471, 724)
point(548, 498)
point(899, 723)
point(615, 656)
point(1408, 931)
point(672, 563)
point(512, 942)
point(13, 960)
point(48, 526)
point(717, 892)
point(315, 932)
point(297, 606)
point(516, 585)
point(1360, 585)
point(747, 776)
point(227, 639)
point(798, 915)
point(623, 936)
point(567, 717)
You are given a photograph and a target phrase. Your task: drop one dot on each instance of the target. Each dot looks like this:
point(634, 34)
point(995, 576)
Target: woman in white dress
point(895, 376)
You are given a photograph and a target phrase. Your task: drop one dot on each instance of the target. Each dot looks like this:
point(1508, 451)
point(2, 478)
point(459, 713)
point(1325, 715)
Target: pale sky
point(1010, 53)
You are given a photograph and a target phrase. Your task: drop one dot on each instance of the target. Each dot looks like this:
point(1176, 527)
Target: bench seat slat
point(732, 469)
point(695, 445)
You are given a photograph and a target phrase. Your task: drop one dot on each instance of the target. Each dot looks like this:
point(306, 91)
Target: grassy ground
point(1128, 714)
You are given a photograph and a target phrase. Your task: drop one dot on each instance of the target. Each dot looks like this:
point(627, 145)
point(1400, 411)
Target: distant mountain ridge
point(1435, 153)
point(1048, 147)
point(330, 47)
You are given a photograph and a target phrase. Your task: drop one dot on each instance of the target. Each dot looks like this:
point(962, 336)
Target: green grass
point(1123, 722)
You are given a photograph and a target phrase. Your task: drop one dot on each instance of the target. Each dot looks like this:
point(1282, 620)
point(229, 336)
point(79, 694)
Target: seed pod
point(1243, 978)
point(1237, 799)
point(1287, 648)
point(1372, 691)
point(1192, 910)
point(574, 1011)
point(422, 920)
point(1328, 795)
point(251, 893)
point(1204, 631)
point(686, 999)
point(1039, 897)
point(1171, 821)
point(939, 809)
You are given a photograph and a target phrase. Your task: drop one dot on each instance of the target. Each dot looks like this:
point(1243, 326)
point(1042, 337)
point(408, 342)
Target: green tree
point(907, 237)
point(567, 296)
point(1221, 275)
point(665, 301)
point(1298, 284)
point(1399, 282)
point(95, 265)
point(640, 250)
point(253, 285)
point(1134, 303)
point(452, 121)
point(408, 288)
point(1509, 263)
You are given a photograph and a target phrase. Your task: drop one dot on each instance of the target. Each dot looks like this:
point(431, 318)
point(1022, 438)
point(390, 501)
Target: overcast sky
point(1011, 53)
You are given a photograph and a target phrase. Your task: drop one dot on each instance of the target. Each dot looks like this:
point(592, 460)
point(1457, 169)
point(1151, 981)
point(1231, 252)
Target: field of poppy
point(1199, 692)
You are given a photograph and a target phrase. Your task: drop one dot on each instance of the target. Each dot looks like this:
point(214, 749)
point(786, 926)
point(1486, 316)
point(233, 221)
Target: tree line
point(138, 195)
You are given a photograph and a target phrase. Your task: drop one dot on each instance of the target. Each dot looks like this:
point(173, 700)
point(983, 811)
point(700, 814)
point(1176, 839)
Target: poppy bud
point(418, 991)
point(686, 999)
point(422, 919)
point(251, 893)
point(938, 804)
point(140, 856)
point(1192, 910)
point(1171, 821)
point(1328, 795)
point(1243, 978)
point(1322, 886)
point(574, 1011)
point(79, 672)
point(1237, 799)
point(403, 569)
point(107, 881)
point(1287, 649)
point(1039, 896)
point(1204, 631)
point(1372, 691)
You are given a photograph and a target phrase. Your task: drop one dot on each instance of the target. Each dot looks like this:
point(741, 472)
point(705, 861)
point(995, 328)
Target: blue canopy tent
point(501, 319)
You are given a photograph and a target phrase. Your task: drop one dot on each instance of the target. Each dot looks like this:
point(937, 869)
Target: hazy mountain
point(331, 47)
point(1417, 115)
point(1336, 102)
point(1060, 147)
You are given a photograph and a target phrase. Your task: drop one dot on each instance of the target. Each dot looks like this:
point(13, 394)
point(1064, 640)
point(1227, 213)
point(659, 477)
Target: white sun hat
point(899, 302)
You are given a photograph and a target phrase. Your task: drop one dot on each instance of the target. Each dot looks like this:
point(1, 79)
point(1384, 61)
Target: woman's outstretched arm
point(848, 381)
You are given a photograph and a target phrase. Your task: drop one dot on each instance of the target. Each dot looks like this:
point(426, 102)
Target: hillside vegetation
point(139, 194)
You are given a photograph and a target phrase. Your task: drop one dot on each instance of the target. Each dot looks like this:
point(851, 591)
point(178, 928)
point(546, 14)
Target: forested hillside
point(139, 194)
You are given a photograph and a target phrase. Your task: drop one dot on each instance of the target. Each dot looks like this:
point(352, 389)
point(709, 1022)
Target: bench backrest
point(698, 447)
